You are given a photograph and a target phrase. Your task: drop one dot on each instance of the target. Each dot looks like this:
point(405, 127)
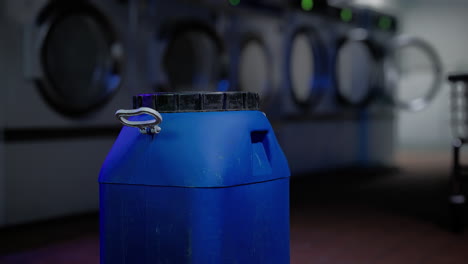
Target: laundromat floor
point(394, 216)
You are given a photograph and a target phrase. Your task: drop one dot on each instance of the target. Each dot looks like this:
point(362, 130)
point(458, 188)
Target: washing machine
point(63, 77)
point(319, 129)
point(251, 32)
point(408, 77)
point(356, 77)
point(409, 69)
point(354, 58)
point(306, 60)
point(253, 37)
point(373, 82)
point(185, 50)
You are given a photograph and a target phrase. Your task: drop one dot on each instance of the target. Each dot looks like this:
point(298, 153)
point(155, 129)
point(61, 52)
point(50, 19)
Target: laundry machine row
point(323, 71)
point(326, 75)
point(372, 69)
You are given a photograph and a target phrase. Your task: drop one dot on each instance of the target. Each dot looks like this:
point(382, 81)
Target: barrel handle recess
point(145, 126)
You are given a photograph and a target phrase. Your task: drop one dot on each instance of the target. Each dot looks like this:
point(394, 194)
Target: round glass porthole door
point(255, 74)
point(81, 61)
point(306, 68)
point(193, 62)
point(355, 72)
point(413, 73)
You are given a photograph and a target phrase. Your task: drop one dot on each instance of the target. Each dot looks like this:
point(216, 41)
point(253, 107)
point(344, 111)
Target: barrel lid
point(198, 101)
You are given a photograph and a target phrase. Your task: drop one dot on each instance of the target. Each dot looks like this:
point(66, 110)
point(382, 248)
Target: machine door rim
point(47, 20)
point(316, 44)
point(391, 77)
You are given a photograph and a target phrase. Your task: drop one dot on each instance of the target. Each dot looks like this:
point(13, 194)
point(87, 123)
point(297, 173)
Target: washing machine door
point(80, 58)
point(255, 68)
point(355, 69)
point(193, 58)
point(306, 67)
point(412, 73)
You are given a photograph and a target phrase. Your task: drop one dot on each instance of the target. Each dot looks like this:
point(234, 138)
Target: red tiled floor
point(84, 250)
point(366, 238)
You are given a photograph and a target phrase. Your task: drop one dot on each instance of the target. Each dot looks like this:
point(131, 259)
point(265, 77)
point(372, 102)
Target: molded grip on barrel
point(145, 126)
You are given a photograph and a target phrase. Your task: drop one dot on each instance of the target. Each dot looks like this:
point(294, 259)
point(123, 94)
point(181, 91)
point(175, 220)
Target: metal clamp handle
point(145, 126)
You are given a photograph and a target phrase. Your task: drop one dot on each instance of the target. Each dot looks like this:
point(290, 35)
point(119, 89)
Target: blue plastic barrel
point(211, 185)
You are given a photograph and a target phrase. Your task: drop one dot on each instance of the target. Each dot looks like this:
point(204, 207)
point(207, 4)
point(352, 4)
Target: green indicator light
point(385, 23)
point(346, 14)
point(234, 2)
point(307, 5)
